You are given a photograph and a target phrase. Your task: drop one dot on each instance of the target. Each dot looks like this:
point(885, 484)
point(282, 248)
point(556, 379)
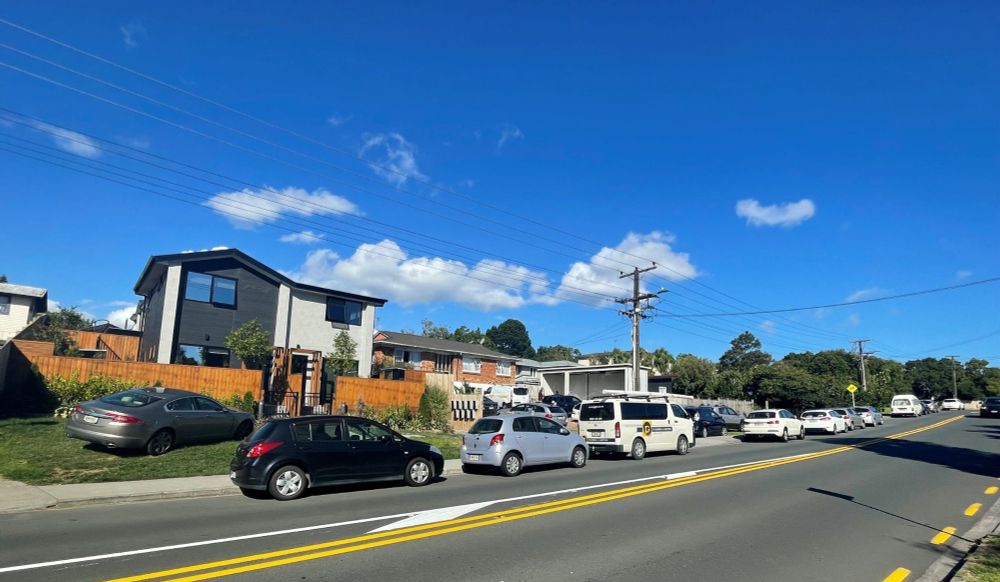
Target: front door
point(217, 419)
point(377, 454)
point(190, 424)
point(327, 453)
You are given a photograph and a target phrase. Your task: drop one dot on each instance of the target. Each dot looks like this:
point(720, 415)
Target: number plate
point(232, 474)
point(90, 419)
point(475, 457)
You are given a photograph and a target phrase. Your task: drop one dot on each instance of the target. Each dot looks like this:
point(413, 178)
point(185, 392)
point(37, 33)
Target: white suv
point(635, 425)
point(778, 423)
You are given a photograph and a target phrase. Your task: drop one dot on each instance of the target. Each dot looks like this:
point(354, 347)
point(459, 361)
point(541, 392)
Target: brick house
point(474, 364)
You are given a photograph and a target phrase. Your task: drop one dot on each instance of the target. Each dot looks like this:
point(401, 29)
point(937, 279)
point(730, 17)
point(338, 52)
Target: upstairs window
point(472, 365)
point(343, 311)
point(210, 289)
point(4, 304)
point(503, 368)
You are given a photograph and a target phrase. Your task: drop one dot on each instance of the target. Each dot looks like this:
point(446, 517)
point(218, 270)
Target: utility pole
point(954, 378)
point(861, 353)
point(636, 313)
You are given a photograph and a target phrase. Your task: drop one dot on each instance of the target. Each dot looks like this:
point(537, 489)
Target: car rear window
point(760, 414)
point(130, 399)
point(262, 433)
point(486, 426)
point(556, 410)
point(813, 414)
point(597, 411)
point(861, 410)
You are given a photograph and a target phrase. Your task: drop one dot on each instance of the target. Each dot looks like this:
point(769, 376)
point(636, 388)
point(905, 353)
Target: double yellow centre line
point(294, 555)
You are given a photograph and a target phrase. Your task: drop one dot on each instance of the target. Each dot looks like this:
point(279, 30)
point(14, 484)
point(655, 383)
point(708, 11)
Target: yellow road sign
point(852, 388)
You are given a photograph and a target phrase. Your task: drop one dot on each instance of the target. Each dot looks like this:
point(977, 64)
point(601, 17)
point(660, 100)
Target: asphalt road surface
point(867, 505)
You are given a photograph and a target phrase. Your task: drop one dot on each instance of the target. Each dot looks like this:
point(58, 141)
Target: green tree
point(931, 377)
point(471, 336)
point(3, 278)
point(557, 352)
point(744, 353)
point(731, 384)
point(343, 359)
point(251, 343)
point(434, 331)
point(693, 375)
point(660, 360)
point(511, 337)
point(58, 324)
point(785, 386)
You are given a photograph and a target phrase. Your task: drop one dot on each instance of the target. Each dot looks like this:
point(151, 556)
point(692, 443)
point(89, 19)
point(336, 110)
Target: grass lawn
point(37, 451)
point(984, 565)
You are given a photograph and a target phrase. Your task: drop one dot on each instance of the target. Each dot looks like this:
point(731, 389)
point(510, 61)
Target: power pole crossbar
point(635, 314)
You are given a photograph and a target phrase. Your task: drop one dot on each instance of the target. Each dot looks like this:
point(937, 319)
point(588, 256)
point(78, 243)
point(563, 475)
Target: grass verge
point(984, 564)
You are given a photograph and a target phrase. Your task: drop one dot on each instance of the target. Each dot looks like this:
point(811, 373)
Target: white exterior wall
point(20, 315)
point(309, 328)
point(171, 295)
point(283, 315)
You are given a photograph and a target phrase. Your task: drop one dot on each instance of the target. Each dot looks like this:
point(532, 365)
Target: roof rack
point(617, 395)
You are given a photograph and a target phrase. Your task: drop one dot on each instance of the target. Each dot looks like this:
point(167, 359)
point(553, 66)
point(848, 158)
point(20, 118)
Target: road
point(859, 506)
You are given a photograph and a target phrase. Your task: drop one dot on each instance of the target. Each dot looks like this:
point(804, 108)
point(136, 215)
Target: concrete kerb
point(951, 563)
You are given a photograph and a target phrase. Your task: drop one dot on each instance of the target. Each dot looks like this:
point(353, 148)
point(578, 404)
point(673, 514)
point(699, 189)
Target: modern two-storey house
point(192, 301)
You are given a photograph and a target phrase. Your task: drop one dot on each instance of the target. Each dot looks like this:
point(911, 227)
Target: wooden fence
point(119, 347)
point(441, 381)
point(32, 348)
point(376, 393)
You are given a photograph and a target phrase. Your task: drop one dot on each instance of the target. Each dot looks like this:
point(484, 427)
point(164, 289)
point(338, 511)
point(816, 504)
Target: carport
point(587, 382)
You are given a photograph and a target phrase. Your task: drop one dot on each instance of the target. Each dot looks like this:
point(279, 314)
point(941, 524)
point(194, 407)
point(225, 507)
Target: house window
point(402, 356)
point(210, 289)
point(471, 365)
point(4, 304)
point(442, 363)
point(343, 311)
point(503, 368)
point(194, 355)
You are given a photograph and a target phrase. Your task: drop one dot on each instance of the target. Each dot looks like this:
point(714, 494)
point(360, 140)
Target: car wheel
point(287, 483)
point(682, 445)
point(579, 458)
point(725, 430)
point(243, 430)
point(638, 449)
point(784, 436)
point(418, 472)
point(160, 442)
point(511, 465)
point(704, 432)
point(802, 433)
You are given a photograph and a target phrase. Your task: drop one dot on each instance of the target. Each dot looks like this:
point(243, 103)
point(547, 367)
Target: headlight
point(436, 450)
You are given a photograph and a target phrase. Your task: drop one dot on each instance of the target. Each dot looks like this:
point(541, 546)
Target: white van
point(635, 425)
point(906, 404)
point(509, 395)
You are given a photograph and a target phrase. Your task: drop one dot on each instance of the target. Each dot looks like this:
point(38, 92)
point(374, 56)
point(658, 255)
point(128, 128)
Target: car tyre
point(784, 436)
point(579, 458)
point(511, 465)
point(725, 430)
point(287, 483)
point(638, 449)
point(161, 442)
point(243, 430)
point(682, 445)
point(704, 432)
point(802, 433)
point(419, 472)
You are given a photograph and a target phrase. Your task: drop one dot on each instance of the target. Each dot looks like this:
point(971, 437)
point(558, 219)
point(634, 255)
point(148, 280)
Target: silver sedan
point(155, 419)
point(514, 441)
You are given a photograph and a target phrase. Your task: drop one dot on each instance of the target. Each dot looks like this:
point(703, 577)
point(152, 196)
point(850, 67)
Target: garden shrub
point(71, 391)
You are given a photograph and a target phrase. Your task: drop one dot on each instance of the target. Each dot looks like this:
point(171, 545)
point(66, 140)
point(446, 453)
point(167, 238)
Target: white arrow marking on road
point(425, 517)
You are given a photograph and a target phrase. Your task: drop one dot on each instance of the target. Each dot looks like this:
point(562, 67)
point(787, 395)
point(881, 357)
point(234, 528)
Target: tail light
point(262, 448)
point(772, 422)
point(124, 418)
point(78, 409)
point(497, 439)
point(618, 430)
point(548, 415)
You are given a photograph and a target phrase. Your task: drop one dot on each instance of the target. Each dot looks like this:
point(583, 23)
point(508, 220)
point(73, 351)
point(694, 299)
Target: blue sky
point(793, 154)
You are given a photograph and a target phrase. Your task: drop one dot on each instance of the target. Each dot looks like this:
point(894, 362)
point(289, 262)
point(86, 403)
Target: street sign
point(852, 388)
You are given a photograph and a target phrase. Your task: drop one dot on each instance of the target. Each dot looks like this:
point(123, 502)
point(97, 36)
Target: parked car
point(514, 441)
point(575, 413)
point(824, 420)
point(490, 406)
point(734, 420)
point(778, 423)
point(286, 456)
point(853, 419)
point(155, 419)
point(906, 405)
point(545, 410)
point(932, 405)
point(870, 415)
point(990, 407)
point(952, 404)
point(564, 401)
point(706, 422)
point(634, 425)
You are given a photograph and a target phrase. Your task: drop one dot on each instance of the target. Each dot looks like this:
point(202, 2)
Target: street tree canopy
point(511, 337)
point(744, 353)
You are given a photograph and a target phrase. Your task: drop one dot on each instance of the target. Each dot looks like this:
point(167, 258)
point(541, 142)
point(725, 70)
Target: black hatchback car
point(990, 407)
point(286, 456)
point(707, 422)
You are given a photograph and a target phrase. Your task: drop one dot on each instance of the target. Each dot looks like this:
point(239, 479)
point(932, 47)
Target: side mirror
point(564, 431)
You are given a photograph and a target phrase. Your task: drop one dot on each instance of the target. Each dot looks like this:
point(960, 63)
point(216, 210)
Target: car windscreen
point(130, 399)
point(597, 411)
point(992, 401)
point(814, 414)
point(486, 426)
point(262, 433)
point(760, 414)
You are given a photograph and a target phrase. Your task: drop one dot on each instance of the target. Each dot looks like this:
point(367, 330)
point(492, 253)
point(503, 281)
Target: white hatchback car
point(825, 420)
point(777, 423)
point(952, 404)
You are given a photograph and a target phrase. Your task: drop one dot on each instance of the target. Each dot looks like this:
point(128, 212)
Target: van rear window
point(593, 411)
point(901, 402)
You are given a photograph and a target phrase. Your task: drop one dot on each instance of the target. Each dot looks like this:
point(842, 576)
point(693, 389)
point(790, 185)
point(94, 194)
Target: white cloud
point(386, 270)
point(139, 142)
point(336, 120)
point(600, 274)
point(767, 326)
point(854, 320)
point(865, 294)
point(507, 133)
point(963, 275)
point(303, 237)
point(120, 316)
point(132, 34)
point(468, 183)
point(788, 214)
point(219, 248)
point(396, 160)
point(250, 207)
point(70, 141)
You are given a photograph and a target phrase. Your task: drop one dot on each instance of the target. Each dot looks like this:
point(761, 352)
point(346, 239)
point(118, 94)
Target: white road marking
point(425, 517)
point(438, 511)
